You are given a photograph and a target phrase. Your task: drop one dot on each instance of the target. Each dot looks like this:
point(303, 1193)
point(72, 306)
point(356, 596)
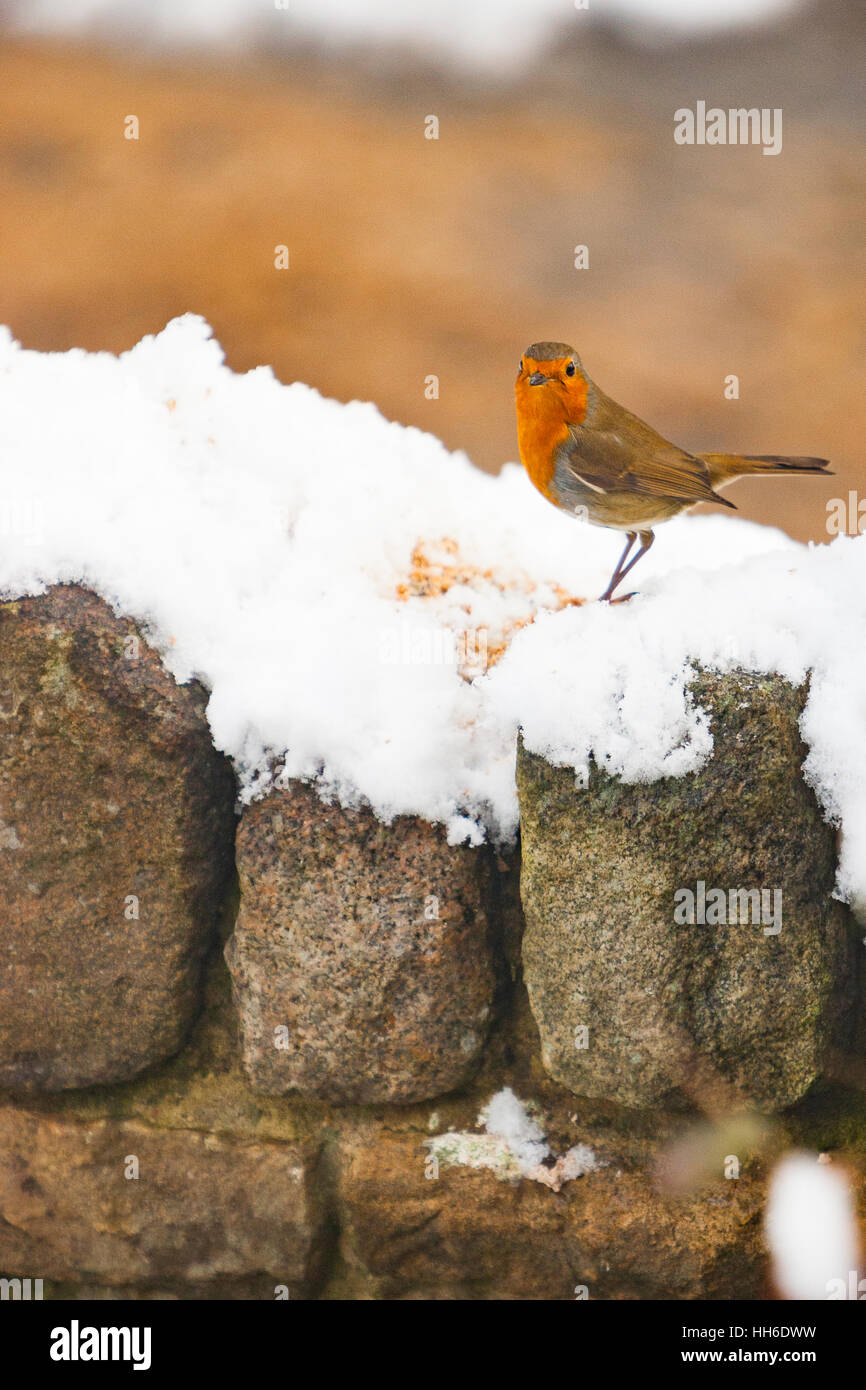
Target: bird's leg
point(619, 574)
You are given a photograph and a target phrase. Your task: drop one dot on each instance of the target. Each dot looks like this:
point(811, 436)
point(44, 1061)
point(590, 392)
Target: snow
point(613, 685)
point(507, 1118)
point(512, 1146)
point(810, 1227)
point(265, 538)
point(488, 35)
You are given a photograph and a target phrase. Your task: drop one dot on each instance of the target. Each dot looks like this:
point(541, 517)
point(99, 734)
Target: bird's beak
point(538, 379)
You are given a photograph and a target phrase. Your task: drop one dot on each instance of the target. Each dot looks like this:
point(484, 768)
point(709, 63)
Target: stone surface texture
point(712, 1014)
point(156, 1143)
point(112, 802)
point(363, 957)
point(203, 1208)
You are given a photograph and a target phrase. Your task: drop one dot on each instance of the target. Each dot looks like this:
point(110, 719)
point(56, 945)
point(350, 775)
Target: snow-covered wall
point(339, 607)
point(371, 611)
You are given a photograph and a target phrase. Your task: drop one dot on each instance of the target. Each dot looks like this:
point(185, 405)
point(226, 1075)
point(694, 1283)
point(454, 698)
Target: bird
point(591, 457)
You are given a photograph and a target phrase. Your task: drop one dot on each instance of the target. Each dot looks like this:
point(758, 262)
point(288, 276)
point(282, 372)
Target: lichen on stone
point(513, 1146)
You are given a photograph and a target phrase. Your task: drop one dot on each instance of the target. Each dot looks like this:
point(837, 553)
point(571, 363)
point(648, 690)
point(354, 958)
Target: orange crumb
point(430, 577)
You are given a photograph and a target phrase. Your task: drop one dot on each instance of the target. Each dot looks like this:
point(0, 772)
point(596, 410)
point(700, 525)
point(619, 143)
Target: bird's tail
point(725, 468)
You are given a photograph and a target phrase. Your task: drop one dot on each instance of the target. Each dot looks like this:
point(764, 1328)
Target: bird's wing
point(626, 460)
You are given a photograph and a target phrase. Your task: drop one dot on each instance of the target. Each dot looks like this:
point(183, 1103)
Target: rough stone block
point(362, 959)
point(609, 1235)
point(116, 827)
point(204, 1208)
point(717, 1013)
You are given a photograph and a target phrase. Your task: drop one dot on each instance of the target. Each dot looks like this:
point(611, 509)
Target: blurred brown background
point(412, 257)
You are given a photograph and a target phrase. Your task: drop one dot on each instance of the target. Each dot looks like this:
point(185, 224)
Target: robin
point(589, 456)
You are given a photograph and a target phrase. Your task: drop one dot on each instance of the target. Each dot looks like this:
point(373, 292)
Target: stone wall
point(248, 1059)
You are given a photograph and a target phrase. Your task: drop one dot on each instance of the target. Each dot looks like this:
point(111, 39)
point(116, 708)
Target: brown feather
point(617, 452)
point(726, 468)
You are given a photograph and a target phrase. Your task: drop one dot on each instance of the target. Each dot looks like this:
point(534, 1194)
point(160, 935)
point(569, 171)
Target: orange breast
point(542, 426)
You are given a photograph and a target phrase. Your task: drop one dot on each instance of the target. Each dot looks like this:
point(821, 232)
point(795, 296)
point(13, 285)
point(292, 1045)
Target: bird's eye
point(520, 368)
point(570, 369)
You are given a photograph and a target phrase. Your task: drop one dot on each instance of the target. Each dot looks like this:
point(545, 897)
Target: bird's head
point(550, 381)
